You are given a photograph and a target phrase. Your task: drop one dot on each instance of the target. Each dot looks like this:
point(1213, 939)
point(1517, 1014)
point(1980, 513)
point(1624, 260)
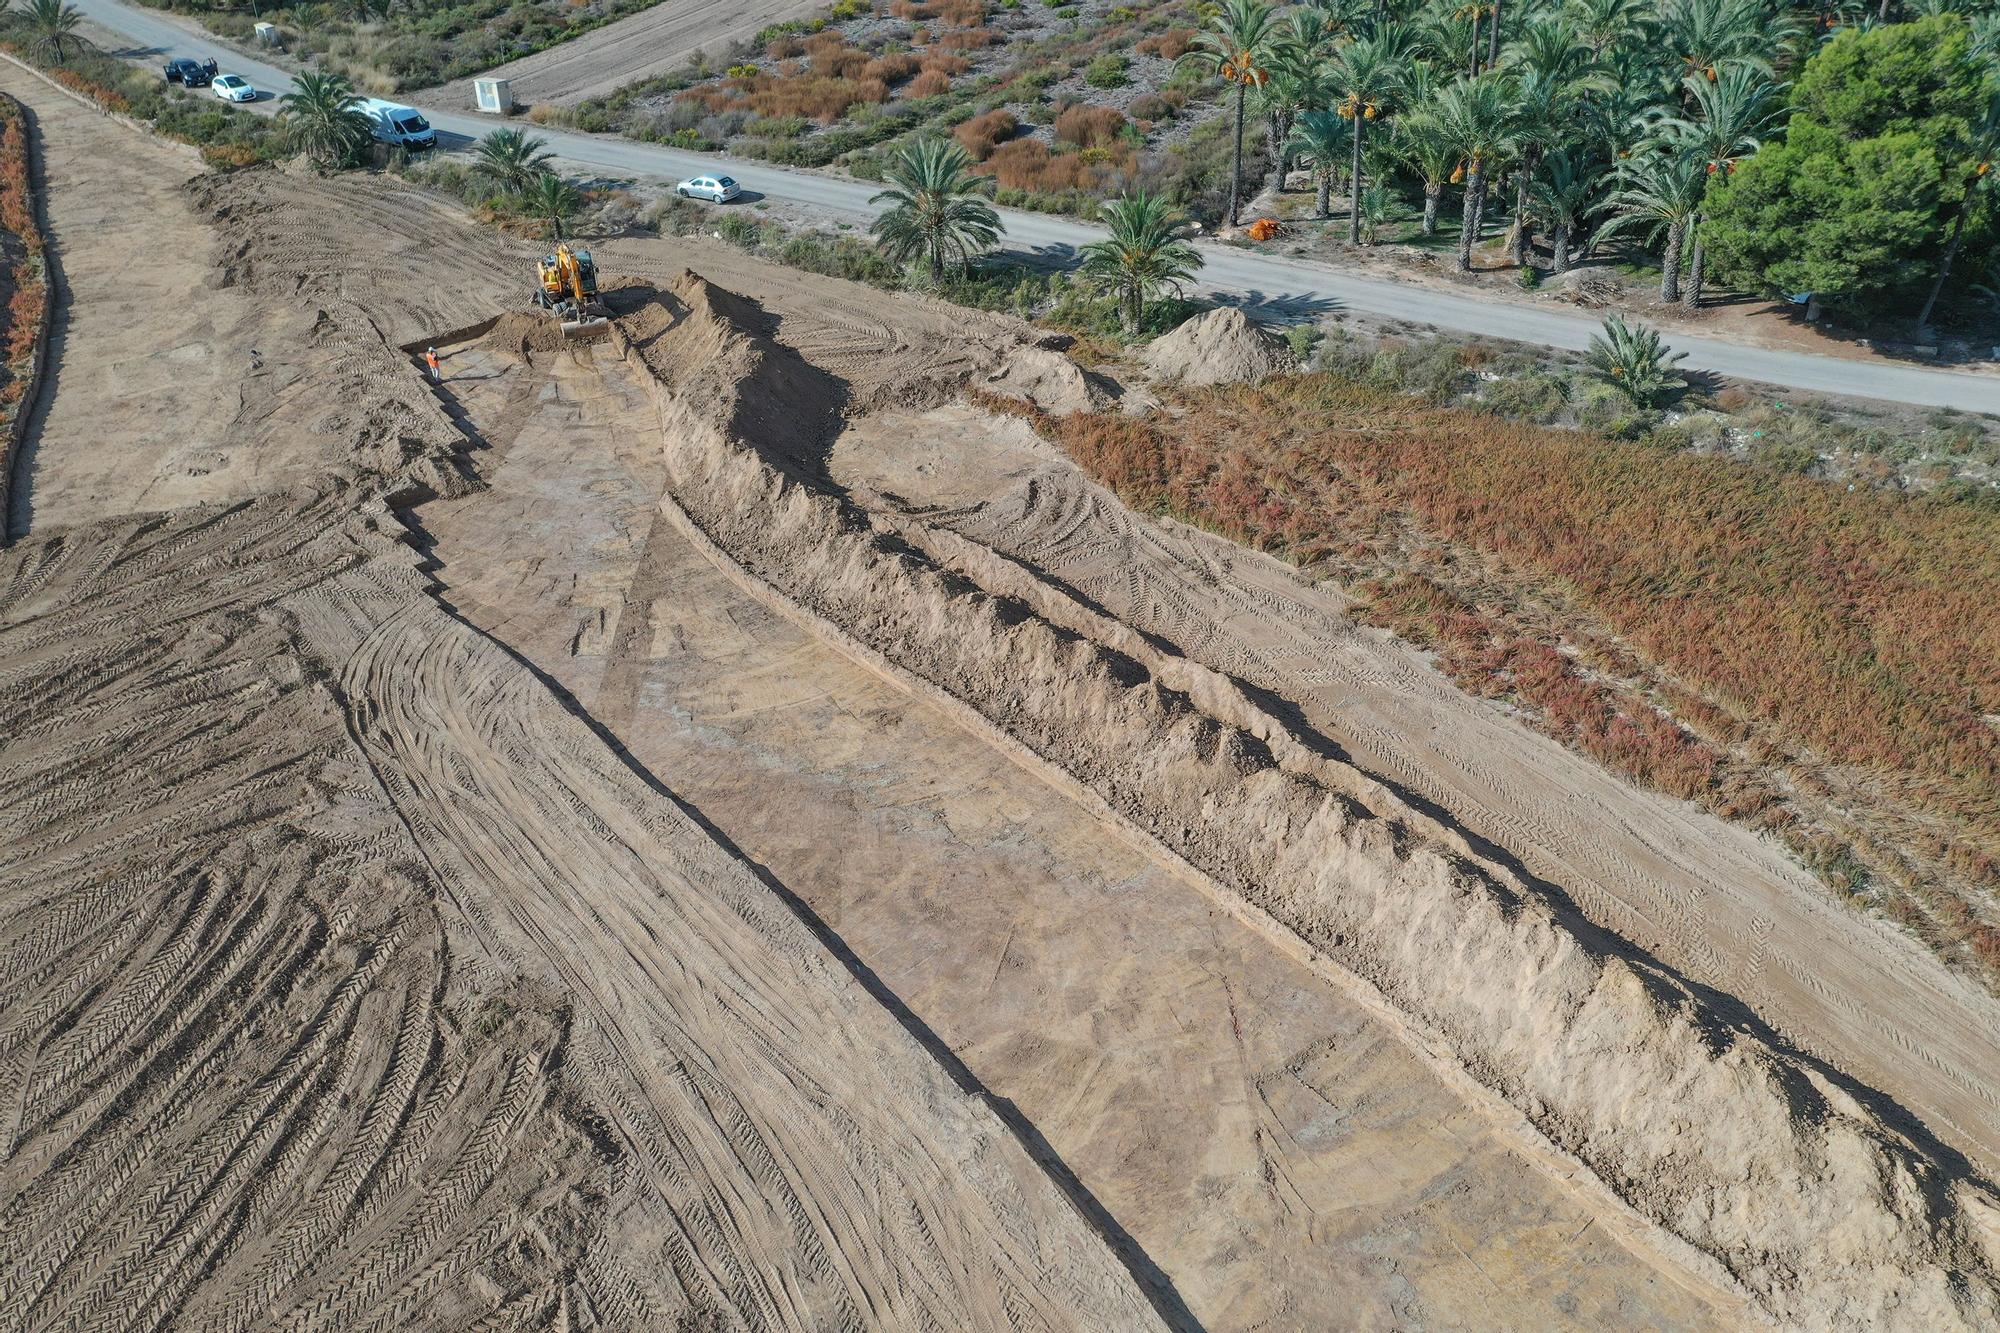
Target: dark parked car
point(190, 73)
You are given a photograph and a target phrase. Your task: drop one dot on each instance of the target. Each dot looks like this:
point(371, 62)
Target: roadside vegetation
point(25, 270)
point(226, 135)
point(387, 46)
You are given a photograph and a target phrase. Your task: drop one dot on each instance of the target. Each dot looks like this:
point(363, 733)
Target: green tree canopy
point(1859, 199)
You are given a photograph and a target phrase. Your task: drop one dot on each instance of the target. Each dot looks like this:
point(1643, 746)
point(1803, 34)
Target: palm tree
point(1546, 115)
point(1147, 252)
point(935, 207)
point(1296, 81)
point(1564, 196)
point(1709, 35)
point(1235, 47)
point(1479, 120)
point(323, 119)
point(1659, 192)
point(1635, 361)
point(512, 159)
point(1730, 111)
point(51, 23)
point(1366, 76)
point(1322, 138)
point(1424, 143)
point(1602, 24)
point(552, 199)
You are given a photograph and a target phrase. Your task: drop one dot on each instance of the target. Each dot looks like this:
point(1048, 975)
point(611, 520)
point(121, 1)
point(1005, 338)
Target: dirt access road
point(639, 46)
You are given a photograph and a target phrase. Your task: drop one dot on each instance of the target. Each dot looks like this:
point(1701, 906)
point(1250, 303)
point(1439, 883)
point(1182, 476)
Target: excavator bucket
point(584, 327)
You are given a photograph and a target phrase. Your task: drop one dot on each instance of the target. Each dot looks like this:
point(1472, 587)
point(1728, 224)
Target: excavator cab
point(569, 289)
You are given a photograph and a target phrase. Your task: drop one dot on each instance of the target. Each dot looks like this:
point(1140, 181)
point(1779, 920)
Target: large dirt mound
point(1825, 1213)
point(1220, 347)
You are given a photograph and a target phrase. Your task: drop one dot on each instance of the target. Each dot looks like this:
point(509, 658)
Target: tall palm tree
point(1603, 24)
point(1729, 113)
point(1546, 116)
point(1564, 196)
point(1147, 252)
point(323, 119)
point(1706, 36)
point(1424, 143)
point(1323, 138)
point(1659, 192)
point(936, 211)
point(1479, 119)
point(1236, 48)
point(553, 200)
point(1296, 80)
point(511, 159)
point(51, 23)
point(1367, 76)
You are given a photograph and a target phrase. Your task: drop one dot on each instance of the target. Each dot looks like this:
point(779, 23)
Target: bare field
point(652, 42)
point(707, 830)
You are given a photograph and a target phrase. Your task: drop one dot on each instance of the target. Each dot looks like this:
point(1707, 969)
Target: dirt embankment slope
point(1269, 1146)
point(652, 42)
point(1826, 1213)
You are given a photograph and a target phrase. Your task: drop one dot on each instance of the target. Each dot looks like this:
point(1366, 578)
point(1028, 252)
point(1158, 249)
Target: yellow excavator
point(569, 289)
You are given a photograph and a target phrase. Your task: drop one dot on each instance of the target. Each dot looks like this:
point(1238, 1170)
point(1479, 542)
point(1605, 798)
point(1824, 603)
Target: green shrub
point(1107, 71)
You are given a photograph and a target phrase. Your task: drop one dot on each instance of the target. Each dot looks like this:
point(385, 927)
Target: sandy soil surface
point(655, 41)
point(1727, 908)
point(659, 891)
point(1271, 1149)
point(350, 980)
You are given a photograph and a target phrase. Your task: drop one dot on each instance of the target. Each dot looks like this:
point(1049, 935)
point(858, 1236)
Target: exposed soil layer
point(654, 41)
point(1736, 1147)
point(1267, 1144)
point(349, 980)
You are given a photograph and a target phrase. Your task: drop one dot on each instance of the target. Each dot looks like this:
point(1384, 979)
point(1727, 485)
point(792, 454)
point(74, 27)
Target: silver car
point(715, 189)
point(234, 88)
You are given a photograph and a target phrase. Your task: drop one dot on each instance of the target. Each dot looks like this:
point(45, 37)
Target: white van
point(398, 125)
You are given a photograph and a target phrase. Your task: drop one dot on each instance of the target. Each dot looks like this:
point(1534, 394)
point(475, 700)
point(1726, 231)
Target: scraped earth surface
point(640, 46)
point(442, 886)
point(1263, 1141)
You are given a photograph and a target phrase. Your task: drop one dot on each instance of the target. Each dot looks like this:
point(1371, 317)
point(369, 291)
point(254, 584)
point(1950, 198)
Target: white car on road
point(715, 189)
point(234, 88)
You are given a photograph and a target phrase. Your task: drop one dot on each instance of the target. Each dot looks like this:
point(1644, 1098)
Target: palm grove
point(1838, 148)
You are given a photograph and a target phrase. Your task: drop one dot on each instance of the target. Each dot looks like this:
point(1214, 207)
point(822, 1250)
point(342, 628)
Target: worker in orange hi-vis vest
point(431, 360)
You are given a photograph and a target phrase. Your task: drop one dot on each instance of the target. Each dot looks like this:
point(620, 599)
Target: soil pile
point(1220, 347)
point(1824, 1212)
point(1049, 380)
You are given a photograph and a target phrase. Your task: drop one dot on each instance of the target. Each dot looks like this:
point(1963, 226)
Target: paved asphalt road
point(1260, 283)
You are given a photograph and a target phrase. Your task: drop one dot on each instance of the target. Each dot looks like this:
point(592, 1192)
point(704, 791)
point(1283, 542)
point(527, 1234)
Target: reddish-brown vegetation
point(814, 96)
point(1089, 126)
point(1028, 164)
point(893, 68)
point(931, 83)
point(970, 39)
point(28, 289)
point(944, 63)
point(1626, 595)
point(1169, 45)
point(784, 48)
point(982, 134)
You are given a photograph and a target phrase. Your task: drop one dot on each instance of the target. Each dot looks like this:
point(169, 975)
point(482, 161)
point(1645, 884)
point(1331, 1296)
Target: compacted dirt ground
point(706, 829)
